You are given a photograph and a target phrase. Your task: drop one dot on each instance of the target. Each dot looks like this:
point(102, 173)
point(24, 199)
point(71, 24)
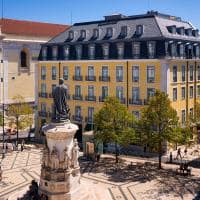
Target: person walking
point(179, 154)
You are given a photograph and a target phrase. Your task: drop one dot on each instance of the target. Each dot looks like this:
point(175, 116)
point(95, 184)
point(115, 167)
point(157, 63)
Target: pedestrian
point(170, 157)
point(185, 151)
point(22, 147)
point(179, 154)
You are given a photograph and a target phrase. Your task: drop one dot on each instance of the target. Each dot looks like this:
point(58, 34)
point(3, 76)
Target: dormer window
point(195, 33)
point(71, 35)
point(83, 34)
point(123, 31)
point(181, 30)
point(188, 32)
point(95, 33)
point(109, 32)
point(172, 29)
point(139, 30)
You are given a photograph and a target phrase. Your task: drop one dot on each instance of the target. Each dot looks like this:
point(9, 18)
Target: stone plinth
point(60, 173)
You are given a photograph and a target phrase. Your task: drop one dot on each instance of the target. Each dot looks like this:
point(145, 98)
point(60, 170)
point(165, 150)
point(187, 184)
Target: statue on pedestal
point(61, 109)
point(75, 154)
point(45, 158)
point(54, 159)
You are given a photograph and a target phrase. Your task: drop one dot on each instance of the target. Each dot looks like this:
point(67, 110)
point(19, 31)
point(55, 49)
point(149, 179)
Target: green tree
point(158, 122)
point(20, 113)
point(113, 124)
point(1, 120)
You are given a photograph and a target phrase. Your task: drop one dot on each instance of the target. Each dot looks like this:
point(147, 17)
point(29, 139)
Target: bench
point(183, 170)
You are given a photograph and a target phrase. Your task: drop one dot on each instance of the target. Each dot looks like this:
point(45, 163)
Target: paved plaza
point(132, 179)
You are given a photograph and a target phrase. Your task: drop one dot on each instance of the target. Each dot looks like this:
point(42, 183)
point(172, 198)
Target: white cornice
point(25, 40)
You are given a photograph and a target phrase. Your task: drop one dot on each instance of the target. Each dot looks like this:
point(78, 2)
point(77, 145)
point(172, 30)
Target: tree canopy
point(158, 122)
point(113, 123)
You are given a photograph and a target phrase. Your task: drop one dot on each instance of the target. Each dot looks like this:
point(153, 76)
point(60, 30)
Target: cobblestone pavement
point(140, 180)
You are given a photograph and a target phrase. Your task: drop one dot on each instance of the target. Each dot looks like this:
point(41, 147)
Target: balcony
point(122, 100)
point(135, 101)
point(119, 79)
point(42, 114)
point(77, 78)
point(146, 101)
point(90, 98)
point(102, 99)
point(65, 77)
point(77, 97)
point(89, 120)
point(43, 77)
point(104, 78)
point(90, 78)
point(135, 79)
point(43, 94)
point(77, 118)
point(53, 77)
point(51, 96)
point(150, 80)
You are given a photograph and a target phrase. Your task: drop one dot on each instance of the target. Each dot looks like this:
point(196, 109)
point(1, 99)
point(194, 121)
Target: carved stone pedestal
point(60, 173)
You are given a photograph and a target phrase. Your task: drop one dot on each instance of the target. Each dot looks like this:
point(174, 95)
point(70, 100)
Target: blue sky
point(60, 11)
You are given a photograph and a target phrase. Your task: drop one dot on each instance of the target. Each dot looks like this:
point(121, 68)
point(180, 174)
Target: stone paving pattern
point(140, 180)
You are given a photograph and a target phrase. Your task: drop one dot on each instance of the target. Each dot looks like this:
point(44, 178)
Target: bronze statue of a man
point(61, 109)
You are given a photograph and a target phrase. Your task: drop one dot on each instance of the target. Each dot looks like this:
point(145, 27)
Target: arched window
point(23, 56)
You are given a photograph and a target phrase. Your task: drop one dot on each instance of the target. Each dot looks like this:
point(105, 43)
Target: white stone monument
point(60, 172)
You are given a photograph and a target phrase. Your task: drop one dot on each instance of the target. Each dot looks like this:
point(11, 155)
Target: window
point(90, 71)
point(78, 52)
point(150, 92)
point(43, 73)
point(198, 90)
point(173, 50)
point(53, 73)
point(53, 86)
point(120, 50)
point(43, 107)
point(90, 90)
point(197, 51)
point(135, 94)
point(109, 32)
point(43, 89)
point(198, 72)
point(151, 49)
point(77, 71)
point(77, 111)
point(150, 74)
point(105, 50)
point(71, 35)
point(181, 50)
point(65, 73)
point(119, 73)
point(104, 91)
point(136, 49)
point(139, 30)
point(119, 92)
point(191, 92)
point(191, 73)
point(191, 112)
point(90, 114)
point(83, 34)
point(174, 94)
point(183, 117)
point(183, 93)
point(95, 33)
point(105, 71)
point(135, 73)
point(123, 31)
point(77, 90)
point(23, 57)
point(183, 73)
point(136, 113)
point(91, 51)
point(174, 73)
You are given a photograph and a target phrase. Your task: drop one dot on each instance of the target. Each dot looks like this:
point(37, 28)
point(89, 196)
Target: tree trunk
point(160, 156)
point(116, 153)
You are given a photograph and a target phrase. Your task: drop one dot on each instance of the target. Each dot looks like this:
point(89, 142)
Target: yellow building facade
point(124, 57)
